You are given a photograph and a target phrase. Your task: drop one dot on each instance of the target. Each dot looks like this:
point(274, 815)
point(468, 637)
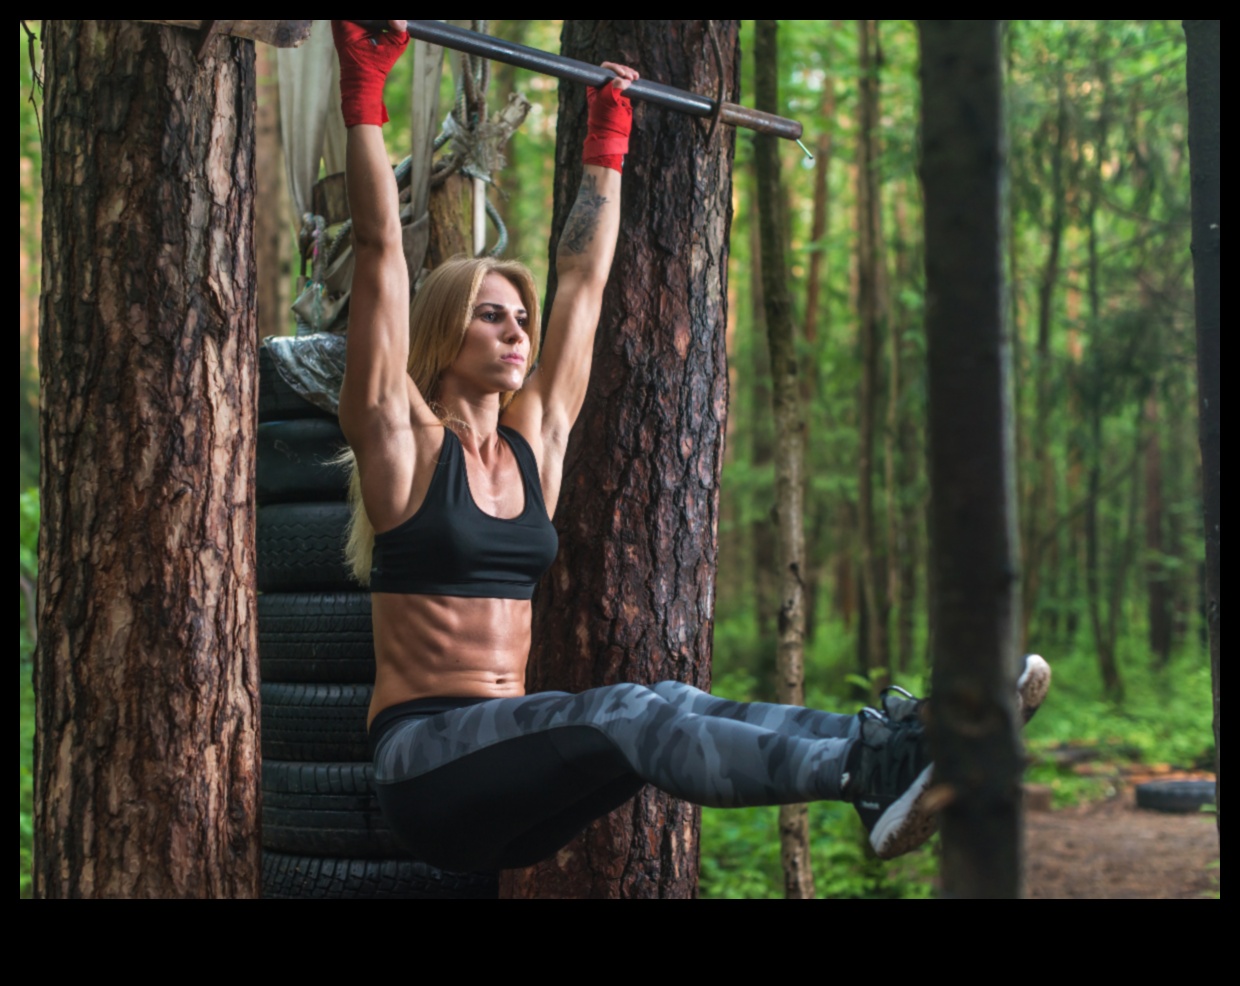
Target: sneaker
point(886, 777)
point(1033, 683)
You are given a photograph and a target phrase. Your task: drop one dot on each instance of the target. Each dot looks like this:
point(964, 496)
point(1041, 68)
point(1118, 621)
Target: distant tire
point(315, 722)
point(325, 809)
point(277, 401)
point(287, 876)
point(298, 461)
point(1175, 796)
point(316, 637)
point(301, 548)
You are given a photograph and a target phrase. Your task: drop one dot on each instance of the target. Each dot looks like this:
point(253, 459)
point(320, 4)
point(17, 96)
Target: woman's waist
point(415, 709)
point(445, 635)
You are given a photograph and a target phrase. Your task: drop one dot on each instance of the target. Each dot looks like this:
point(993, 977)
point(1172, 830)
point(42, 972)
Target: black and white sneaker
point(886, 778)
point(889, 770)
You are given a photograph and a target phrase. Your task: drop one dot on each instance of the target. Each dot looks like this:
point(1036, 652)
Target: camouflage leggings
point(498, 783)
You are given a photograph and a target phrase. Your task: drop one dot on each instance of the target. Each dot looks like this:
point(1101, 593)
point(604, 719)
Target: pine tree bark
point(789, 507)
point(972, 469)
point(146, 680)
point(631, 596)
point(1204, 143)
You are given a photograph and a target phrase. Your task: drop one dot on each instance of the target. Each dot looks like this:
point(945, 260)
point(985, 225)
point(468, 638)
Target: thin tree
point(974, 540)
point(146, 677)
point(1204, 143)
point(789, 446)
point(631, 595)
point(871, 302)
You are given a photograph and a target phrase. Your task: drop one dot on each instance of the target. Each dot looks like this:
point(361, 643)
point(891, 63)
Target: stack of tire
point(323, 834)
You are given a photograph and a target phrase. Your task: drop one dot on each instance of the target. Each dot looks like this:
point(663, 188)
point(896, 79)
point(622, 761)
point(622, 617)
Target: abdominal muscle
point(451, 646)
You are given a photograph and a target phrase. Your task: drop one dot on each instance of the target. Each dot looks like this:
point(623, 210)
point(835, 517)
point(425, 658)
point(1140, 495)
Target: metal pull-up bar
point(496, 49)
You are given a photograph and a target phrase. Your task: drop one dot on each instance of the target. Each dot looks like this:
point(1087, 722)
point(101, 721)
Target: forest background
point(1101, 306)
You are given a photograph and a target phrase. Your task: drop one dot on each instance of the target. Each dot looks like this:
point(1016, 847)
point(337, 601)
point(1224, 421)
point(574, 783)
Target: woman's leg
point(467, 785)
point(790, 720)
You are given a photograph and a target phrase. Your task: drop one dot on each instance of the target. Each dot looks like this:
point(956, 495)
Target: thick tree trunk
point(1204, 162)
point(789, 446)
point(972, 469)
point(631, 596)
point(146, 752)
point(873, 316)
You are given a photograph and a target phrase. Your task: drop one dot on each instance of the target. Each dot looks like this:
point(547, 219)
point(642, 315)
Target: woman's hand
point(625, 76)
point(610, 119)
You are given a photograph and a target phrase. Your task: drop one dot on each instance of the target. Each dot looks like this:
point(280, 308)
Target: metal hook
point(805, 149)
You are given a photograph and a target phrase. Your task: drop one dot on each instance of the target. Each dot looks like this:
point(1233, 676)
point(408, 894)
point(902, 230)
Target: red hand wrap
point(365, 60)
point(610, 119)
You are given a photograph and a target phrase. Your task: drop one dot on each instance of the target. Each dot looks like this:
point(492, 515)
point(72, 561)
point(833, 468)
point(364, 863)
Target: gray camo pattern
point(706, 750)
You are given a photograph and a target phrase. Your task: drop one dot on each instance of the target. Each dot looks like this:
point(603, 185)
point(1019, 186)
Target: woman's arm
point(377, 396)
point(548, 405)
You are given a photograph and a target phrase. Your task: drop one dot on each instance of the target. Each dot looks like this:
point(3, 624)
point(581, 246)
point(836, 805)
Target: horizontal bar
point(572, 70)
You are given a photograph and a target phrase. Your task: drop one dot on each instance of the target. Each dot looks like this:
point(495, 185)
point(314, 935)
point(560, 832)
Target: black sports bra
point(451, 547)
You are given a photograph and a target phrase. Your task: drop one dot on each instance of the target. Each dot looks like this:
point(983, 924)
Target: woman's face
point(494, 357)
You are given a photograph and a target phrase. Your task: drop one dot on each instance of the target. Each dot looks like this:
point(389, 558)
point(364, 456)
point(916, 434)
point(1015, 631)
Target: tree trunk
point(146, 756)
point(816, 314)
point(449, 224)
point(972, 469)
point(761, 531)
point(871, 286)
point(273, 241)
point(903, 551)
point(789, 445)
point(1040, 504)
point(631, 596)
point(1157, 583)
point(1204, 163)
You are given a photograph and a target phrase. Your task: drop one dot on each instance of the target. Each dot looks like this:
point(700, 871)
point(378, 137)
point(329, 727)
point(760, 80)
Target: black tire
point(325, 809)
point(297, 461)
point(316, 637)
point(303, 877)
point(315, 722)
point(301, 548)
point(1175, 796)
point(277, 401)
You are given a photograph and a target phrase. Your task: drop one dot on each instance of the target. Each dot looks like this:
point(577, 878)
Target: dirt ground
point(1113, 850)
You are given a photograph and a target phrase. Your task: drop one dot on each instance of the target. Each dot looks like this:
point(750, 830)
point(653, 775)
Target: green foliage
point(1164, 718)
point(740, 857)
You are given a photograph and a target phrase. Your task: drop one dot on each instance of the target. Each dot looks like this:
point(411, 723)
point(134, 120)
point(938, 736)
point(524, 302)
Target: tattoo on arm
point(582, 221)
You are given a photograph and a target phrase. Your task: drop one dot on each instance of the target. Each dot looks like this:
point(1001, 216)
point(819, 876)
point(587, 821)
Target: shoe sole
point(906, 824)
point(1033, 684)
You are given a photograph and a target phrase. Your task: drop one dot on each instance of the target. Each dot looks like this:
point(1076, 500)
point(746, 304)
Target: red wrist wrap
point(365, 60)
point(609, 122)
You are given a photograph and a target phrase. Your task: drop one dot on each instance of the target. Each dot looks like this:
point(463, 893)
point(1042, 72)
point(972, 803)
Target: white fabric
point(311, 125)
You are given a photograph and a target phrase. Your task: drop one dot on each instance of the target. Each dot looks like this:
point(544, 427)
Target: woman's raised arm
point(548, 405)
point(378, 401)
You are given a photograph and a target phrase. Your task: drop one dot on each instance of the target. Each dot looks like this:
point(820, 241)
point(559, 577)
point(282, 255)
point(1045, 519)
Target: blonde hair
point(438, 319)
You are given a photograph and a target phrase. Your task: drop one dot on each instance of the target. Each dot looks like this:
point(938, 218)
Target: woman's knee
point(677, 692)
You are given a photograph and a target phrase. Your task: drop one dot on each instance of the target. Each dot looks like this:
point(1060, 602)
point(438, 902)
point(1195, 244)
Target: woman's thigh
point(509, 803)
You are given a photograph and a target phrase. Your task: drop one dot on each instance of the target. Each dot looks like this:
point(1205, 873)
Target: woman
point(459, 452)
